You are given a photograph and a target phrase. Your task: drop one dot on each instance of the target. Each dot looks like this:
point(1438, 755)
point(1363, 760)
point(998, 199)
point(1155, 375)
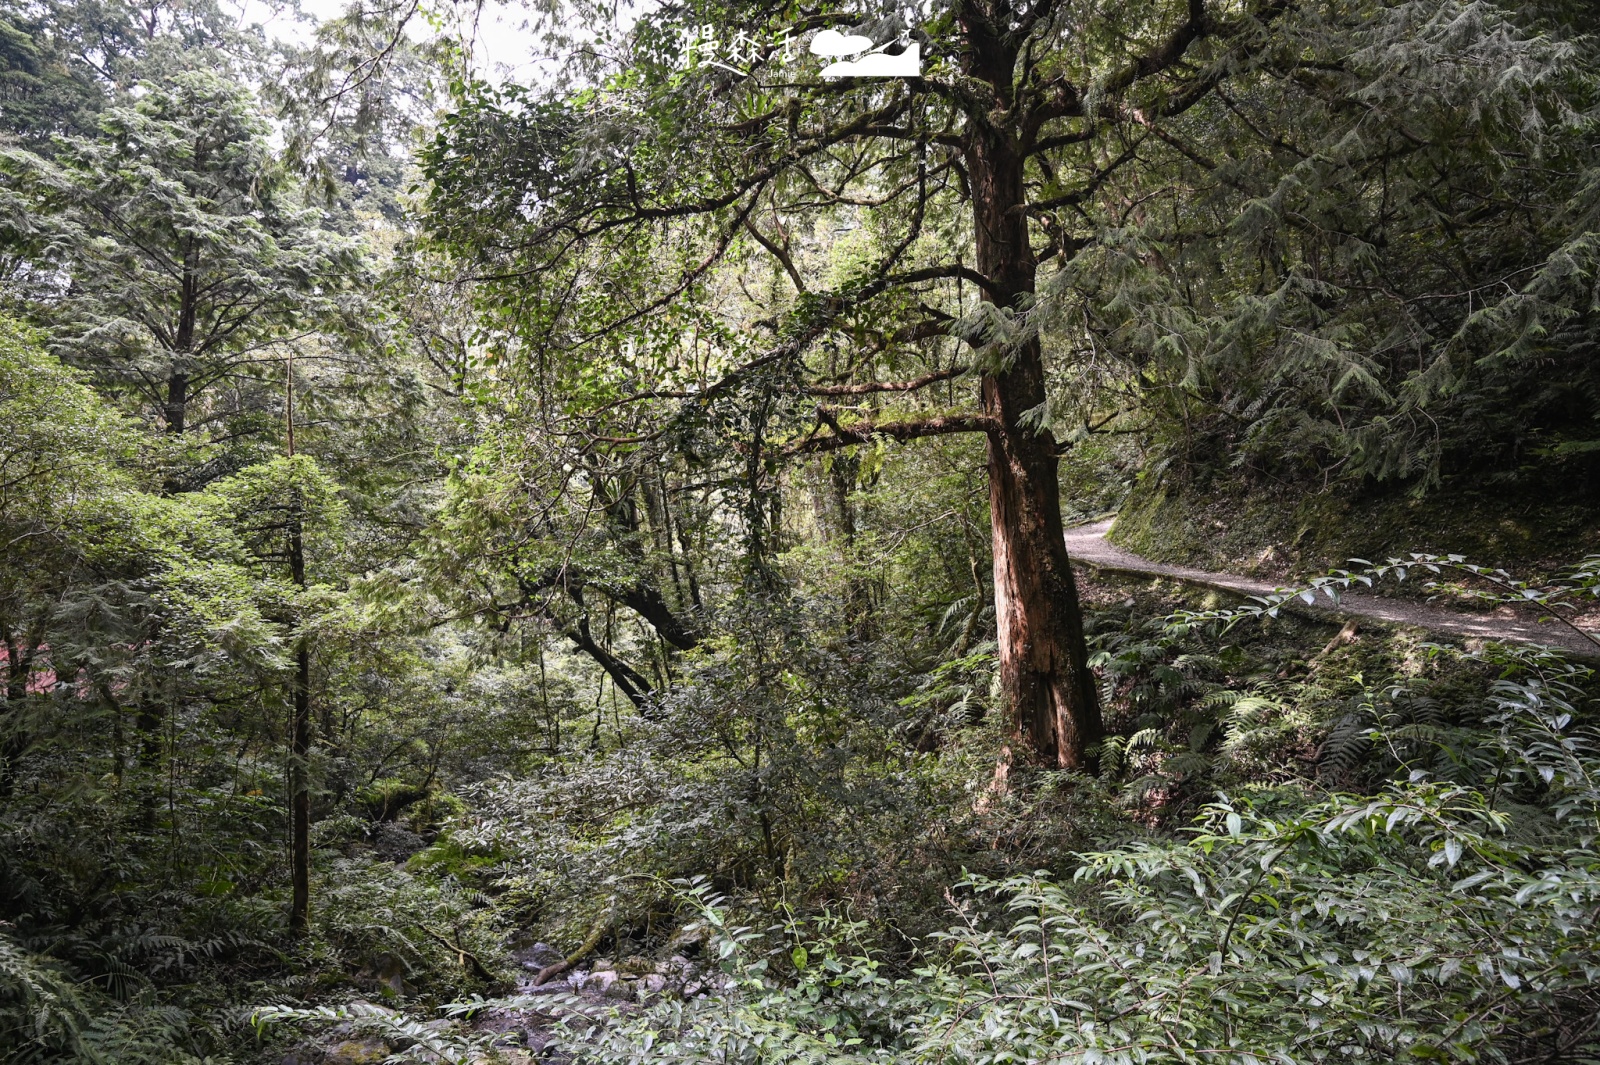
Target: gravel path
point(1088, 543)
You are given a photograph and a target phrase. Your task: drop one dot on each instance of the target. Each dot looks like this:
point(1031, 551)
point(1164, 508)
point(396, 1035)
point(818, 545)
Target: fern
point(42, 1011)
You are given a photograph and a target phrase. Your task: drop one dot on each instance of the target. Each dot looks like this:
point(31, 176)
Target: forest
point(854, 532)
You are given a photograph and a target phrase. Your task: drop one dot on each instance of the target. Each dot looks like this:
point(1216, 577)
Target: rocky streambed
point(519, 1029)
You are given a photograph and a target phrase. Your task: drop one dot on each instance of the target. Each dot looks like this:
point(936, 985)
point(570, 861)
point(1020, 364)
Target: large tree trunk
point(1044, 668)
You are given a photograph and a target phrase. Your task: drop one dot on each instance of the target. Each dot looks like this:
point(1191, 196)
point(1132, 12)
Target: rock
point(677, 972)
point(690, 938)
point(537, 956)
point(600, 981)
point(653, 983)
point(357, 1052)
point(389, 970)
point(622, 989)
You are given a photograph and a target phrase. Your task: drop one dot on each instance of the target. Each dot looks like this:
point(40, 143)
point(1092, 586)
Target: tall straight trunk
point(299, 752)
point(177, 405)
point(176, 410)
point(150, 724)
point(1044, 663)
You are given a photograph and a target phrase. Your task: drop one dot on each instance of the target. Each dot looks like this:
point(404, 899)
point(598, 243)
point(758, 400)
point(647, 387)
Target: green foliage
point(1434, 921)
point(40, 1007)
point(191, 259)
point(64, 441)
point(62, 61)
point(1351, 276)
point(1239, 524)
point(400, 934)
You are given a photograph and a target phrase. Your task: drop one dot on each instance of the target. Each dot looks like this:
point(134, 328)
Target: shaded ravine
point(1088, 544)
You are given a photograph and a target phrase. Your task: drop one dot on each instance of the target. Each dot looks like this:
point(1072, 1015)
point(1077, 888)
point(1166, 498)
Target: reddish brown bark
point(1044, 666)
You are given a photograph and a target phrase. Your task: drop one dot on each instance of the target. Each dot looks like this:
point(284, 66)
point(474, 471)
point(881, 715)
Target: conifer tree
point(189, 262)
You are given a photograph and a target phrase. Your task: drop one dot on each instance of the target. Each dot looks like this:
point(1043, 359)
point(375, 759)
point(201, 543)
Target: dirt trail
point(1088, 544)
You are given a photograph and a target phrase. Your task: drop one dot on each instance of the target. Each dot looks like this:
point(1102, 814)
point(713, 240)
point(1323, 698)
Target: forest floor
point(1088, 544)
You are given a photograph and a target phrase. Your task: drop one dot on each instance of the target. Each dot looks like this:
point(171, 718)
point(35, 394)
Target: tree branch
point(889, 386)
point(628, 680)
point(939, 273)
point(862, 432)
point(778, 252)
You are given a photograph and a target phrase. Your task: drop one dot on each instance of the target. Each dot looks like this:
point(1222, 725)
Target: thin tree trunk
point(12, 739)
point(842, 472)
point(299, 752)
point(665, 498)
point(628, 680)
point(300, 715)
point(177, 406)
point(688, 566)
point(118, 740)
point(175, 412)
point(1044, 663)
point(176, 409)
point(149, 723)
